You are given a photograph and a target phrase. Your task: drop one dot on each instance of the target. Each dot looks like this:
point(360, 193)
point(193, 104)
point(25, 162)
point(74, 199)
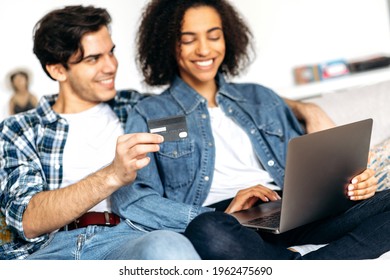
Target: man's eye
point(91, 59)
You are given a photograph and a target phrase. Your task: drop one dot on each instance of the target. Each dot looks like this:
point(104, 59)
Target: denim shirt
point(170, 191)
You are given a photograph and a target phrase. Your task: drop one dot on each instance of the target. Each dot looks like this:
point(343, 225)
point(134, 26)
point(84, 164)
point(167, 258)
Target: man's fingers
point(141, 163)
point(137, 145)
point(141, 138)
point(141, 150)
point(131, 155)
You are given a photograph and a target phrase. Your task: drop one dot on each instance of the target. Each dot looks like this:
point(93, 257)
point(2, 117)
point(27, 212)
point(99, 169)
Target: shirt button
point(230, 110)
point(175, 153)
point(253, 131)
point(57, 166)
point(271, 163)
point(204, 116)
point(206, 178)
point(210, 144)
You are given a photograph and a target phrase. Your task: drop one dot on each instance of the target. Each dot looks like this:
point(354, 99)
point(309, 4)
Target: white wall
point(287, 32)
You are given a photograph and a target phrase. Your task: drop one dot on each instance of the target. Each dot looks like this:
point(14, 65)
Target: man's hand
point(363, 186)
point(246, 198)
point(131, 155)
point(311, 114)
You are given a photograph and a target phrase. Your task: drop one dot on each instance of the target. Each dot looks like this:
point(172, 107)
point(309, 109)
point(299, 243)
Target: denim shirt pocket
point(274, 133)
point(176, 163)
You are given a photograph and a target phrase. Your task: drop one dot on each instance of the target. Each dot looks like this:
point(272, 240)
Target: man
point(60, 162)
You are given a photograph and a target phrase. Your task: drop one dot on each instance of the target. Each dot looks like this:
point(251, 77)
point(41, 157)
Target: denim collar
point(189, 99)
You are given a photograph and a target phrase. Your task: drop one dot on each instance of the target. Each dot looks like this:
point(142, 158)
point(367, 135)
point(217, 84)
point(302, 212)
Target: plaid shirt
point(31, 152)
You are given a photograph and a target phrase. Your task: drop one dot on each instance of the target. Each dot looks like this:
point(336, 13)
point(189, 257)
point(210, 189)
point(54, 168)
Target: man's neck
point(72, 106)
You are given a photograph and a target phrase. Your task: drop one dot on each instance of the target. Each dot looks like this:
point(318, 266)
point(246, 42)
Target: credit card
point(171, 128)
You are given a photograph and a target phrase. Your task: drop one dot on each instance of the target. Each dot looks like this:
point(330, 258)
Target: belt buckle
point(107, 218)
point(76, 223)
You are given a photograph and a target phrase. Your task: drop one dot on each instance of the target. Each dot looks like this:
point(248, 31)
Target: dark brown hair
point(58, 34)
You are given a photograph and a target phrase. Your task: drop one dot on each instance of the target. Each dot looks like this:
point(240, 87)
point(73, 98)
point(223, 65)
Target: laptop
point(319, 167)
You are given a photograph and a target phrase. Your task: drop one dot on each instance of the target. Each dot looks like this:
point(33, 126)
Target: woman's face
point(19, 82)
point(202, 46)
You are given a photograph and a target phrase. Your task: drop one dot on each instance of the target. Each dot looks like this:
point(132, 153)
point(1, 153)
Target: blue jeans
point(362, 232)
point(122, 242)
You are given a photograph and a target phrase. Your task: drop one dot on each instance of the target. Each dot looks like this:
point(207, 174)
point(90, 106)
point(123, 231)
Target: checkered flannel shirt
point(31, 151)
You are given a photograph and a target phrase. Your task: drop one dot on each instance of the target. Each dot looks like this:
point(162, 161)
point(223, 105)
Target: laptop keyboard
point(271, 221)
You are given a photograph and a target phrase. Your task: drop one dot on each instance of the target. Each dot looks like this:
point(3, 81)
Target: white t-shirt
point(90, 145)
point(236, 165)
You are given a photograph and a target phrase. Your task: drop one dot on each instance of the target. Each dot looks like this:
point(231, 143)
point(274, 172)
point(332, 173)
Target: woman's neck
point(22, 92)
point(208, 91)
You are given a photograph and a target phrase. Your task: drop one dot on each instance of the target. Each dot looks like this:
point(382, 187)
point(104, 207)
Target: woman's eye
point(215, 35)
point(214, 38)
point(187, 39)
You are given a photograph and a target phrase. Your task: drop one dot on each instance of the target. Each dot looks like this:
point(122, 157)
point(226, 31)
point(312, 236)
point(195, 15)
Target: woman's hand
point(363, 186)
point(246, 198)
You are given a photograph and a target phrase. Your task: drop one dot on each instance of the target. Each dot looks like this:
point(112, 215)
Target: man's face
point(92, 80)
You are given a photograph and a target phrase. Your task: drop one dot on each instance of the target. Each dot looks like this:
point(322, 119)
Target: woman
point(233, 152)
point(22, 99)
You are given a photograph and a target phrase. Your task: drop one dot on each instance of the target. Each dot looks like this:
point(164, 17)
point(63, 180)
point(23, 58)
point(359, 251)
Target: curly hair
point(57, 36)
point(160, 30)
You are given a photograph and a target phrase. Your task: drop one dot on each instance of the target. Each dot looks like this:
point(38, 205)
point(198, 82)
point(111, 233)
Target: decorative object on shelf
point(305, 74)
point(318, 72)
point(333, 69)
point(367, 64)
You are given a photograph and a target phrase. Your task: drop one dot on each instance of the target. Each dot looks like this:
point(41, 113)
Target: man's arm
point(50, 210)
point(314, 118)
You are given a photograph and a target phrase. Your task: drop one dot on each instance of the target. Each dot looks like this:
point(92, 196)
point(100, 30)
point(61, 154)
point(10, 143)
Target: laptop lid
point(319, 167)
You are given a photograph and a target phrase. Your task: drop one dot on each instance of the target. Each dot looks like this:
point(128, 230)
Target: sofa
point(343, 106)
point(354, 104)
point(357, 103)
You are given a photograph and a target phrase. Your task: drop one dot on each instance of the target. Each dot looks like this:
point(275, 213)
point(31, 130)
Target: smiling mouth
point(108, 81)
point(204, 63)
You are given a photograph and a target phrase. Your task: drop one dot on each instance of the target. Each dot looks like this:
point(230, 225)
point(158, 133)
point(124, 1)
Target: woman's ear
point(57, 72)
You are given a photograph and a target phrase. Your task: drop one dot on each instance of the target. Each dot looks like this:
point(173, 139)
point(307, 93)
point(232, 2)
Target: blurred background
point(288, 34)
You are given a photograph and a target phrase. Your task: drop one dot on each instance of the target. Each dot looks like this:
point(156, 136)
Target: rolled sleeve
point(20, 180)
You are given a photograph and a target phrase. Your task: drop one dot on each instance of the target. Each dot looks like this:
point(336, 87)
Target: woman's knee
point(212, 223)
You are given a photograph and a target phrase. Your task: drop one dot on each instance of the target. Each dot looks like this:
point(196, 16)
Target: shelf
point(319, 88)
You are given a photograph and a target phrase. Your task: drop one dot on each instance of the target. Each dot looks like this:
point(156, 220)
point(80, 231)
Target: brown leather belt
point(93, 218)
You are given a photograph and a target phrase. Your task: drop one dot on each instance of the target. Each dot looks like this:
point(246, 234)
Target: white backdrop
point(287, 32)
